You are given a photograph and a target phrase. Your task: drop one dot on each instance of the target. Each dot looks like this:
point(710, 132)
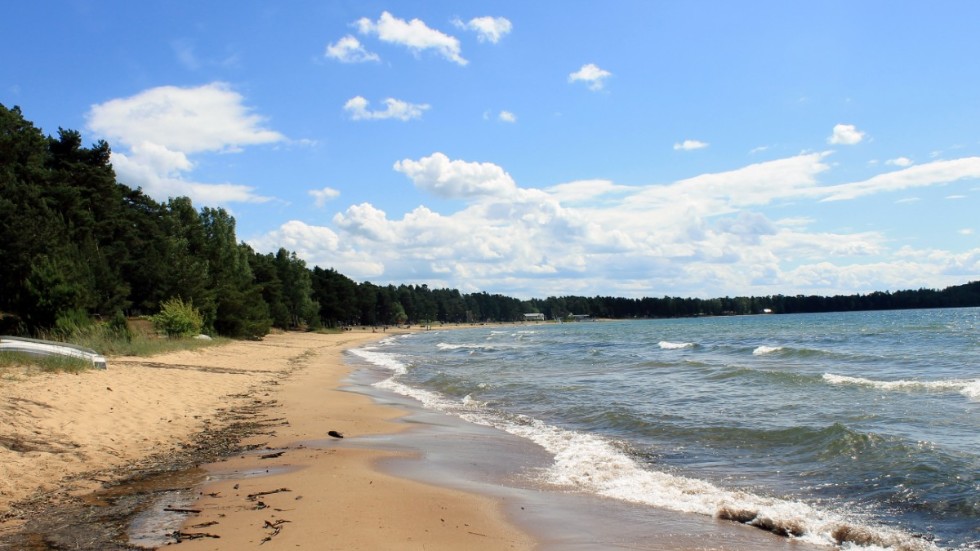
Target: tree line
point(77, 244)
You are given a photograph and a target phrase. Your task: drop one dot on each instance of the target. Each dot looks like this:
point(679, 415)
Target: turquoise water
point(858, 429)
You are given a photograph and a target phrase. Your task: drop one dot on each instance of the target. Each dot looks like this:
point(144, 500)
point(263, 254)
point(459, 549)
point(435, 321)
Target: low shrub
point(178, 319)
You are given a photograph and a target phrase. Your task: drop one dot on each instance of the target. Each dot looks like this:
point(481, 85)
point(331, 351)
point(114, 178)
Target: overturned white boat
point(36, 347)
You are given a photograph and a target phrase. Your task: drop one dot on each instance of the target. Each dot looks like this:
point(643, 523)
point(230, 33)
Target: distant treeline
point(75, 244)
point(669, 307)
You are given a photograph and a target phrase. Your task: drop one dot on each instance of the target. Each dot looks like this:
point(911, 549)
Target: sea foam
point(972, 390)
point(386, 360)
point(596, 465)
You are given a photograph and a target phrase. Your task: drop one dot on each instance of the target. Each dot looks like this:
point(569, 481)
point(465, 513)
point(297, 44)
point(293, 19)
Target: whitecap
point(667, 345)
point(970, 389)
point(447, 346)
point(763, 350)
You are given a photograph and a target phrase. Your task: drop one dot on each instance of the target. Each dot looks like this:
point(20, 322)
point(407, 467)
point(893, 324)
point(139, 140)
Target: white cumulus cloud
point(591, 74)
point(357, 107)
point(457, 179)
point(203, 118)
point(155, 133)
point(367, 221)
point(488, 29)
point(708, 235)
point(845, 134)
point(414, 35)
point(507, 116)
point(350, 50)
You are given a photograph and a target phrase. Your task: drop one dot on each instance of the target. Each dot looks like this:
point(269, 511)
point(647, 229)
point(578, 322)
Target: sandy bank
point(65, 435)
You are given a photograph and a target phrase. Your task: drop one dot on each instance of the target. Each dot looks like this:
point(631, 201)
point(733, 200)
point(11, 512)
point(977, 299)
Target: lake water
point(860, 429)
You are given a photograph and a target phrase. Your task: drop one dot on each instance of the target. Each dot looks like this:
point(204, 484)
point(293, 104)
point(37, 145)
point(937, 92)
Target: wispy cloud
point(349, 50)
point(900, 161)
point(690, 145)
point(591, 74)
point(507, 116)
point(186, 52)
point(488, 29)
point(357, 107)
point(414, 35)
point(322, 196)
point(928, 174)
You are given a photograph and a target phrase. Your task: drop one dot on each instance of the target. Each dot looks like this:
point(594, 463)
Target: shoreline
point(446, 450)
point(304, 488)
point(137, 430)
point(271, 475)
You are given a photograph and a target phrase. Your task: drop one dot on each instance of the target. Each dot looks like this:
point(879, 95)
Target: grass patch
point(47, 364)
point(140, 345)
point(132, 337)
point(108, 339)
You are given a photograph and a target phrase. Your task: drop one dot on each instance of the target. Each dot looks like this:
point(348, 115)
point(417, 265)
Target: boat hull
point(41, 348)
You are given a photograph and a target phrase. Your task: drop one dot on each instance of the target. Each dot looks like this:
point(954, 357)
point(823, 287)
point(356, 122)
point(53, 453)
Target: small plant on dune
point(178, 319)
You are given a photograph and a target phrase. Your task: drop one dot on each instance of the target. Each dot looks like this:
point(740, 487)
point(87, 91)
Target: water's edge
point(447, 451)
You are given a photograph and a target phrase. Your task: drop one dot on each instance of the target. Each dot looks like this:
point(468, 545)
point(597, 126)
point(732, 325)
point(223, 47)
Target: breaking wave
point(667, 345)
point(968, 388)
point(386, 360)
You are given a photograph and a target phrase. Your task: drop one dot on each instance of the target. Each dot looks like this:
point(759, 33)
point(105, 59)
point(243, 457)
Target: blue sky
point(627, 148)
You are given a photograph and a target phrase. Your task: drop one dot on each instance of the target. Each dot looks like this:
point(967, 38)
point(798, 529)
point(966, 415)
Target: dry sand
point(64, 435)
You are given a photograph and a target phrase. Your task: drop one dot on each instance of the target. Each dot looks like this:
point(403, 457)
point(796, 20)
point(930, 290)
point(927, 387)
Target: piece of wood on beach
point(252, 497)
point(276, 527)
point(180, 536)
point(180, 510)
point(205, 524)
point(271, 455)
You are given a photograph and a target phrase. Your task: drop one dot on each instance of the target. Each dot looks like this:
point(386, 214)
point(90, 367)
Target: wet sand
point(322, 492)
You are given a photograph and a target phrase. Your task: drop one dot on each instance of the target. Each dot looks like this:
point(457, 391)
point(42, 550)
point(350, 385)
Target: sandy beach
point(65, 436)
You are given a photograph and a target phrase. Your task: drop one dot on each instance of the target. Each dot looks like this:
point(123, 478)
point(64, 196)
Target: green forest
point(77, 244)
